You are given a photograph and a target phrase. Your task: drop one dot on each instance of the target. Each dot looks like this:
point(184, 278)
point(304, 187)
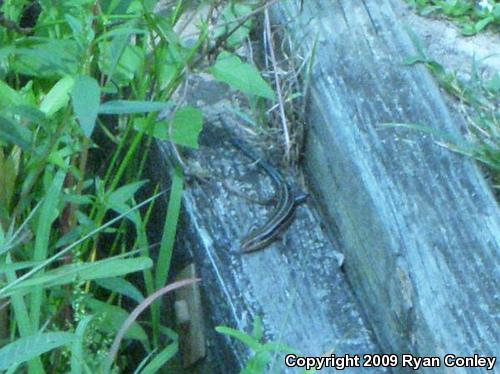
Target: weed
point(81, 86)
point(479, 99)
point(472, 16)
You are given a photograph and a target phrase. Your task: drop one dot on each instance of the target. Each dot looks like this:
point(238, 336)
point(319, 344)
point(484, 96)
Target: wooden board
point(295, 286)
point(418, 225)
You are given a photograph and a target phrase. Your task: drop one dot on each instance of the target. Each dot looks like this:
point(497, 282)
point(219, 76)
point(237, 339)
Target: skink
point(282, 215)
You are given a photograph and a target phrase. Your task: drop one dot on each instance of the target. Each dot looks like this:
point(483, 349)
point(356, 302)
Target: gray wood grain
point(419, 227)
point(296, 286)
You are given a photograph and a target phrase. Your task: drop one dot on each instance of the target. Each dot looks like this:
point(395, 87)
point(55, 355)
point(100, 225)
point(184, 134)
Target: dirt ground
point(444, 43)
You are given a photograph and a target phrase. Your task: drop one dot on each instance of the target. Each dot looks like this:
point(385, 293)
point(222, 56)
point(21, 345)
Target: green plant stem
point(26, 197)
point(23, 321)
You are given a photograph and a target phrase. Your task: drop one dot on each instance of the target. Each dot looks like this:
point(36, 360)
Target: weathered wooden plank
point(296, 286)
point(417, 223)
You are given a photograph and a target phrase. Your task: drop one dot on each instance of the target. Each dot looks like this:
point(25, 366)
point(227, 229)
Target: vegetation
point(480, 108)
point(263, 354)
point(479, 96)
point(81, 86)
point(472, 16)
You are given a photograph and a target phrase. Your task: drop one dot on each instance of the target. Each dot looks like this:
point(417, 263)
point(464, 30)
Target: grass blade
point(136, 312)
point(81, 272)
point(15, 133)
point(132, 107)
point(75, 244)
point(12, 239)
point(161, 358)
point(32, 346)
point(144, 361)
point(121, 286)
point(169, 230)
point(58, 96)
point(42, 236)
point(77, 360)
point(112, 318)
point(22, 318)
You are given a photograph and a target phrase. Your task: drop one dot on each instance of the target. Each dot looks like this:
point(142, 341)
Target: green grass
point(478, 98)
point(80, 93)
point(470, 15)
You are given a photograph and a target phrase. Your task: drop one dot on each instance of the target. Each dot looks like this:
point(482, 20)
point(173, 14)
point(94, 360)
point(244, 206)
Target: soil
point(444, 42)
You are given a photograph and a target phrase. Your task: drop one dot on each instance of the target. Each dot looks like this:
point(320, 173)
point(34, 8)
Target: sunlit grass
point(80, 93)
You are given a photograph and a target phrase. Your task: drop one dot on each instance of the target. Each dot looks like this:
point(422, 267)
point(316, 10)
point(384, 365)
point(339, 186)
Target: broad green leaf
point(32, 346)
point(27, 113)
point(131, 107)
point(231, 17)
point(118, 199)
point(58, 97)
point(230, 69)
point(83, 272)
point(161, 359)
point(119, 59)
point(85, 97)
point(124, 193)
point(9, 96)
point(110, 53)
point(47, 58)
point(157, 129)
point(113, 318)
point(186, 126)
point(14, 133)
point(129, 64)
point(121, 286)
point(173, 57)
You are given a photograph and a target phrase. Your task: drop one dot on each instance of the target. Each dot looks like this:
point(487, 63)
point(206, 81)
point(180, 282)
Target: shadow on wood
point(418, 226)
